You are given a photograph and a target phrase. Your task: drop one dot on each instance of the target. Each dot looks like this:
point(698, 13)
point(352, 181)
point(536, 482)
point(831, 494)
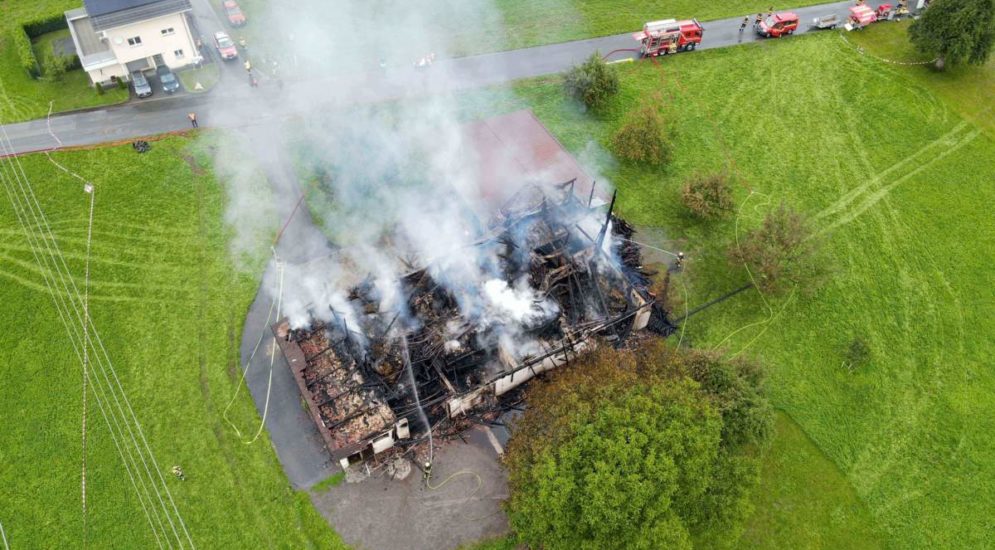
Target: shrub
point(593, 83)
point(122, 83)
point(55, 66)
point(782, 253)
point(708, 197)
point(857, 354)
point(643, 137)
point(25, 53)
point(99, 87)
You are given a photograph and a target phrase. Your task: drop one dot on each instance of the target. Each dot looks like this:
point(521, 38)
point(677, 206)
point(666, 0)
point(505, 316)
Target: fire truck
point(669, 36)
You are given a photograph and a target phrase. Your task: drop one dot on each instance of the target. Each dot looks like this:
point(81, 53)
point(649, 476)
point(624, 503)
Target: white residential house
point(116, 37)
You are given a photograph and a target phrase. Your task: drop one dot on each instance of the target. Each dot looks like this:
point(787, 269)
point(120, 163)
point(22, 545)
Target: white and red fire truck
point(669, 36)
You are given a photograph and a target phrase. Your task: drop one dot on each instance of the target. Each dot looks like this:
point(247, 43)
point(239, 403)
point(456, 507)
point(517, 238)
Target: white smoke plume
point(395, 184)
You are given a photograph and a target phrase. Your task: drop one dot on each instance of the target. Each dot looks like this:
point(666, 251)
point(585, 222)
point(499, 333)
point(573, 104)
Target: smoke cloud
point(393, 186)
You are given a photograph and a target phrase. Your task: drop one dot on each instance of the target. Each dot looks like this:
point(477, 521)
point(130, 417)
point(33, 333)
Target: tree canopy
point(956, 31)
point(637, 449)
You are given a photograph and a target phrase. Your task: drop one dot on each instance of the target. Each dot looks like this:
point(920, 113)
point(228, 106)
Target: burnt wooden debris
point(440, 361)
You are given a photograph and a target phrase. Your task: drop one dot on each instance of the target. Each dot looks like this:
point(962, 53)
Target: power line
point(66, 304)
point(86, 316)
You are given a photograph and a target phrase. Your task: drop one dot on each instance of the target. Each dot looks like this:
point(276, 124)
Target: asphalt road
point(234, 104)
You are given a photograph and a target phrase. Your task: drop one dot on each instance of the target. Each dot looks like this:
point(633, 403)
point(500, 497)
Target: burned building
point(561, 277)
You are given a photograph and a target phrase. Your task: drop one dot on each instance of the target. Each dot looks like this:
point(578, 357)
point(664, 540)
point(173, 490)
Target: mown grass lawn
point(169, 305)
point(24, 98)
point(899, 183)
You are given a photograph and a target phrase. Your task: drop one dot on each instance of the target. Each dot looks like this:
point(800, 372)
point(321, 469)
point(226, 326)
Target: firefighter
point(759, 18)
point(178, 472)
point(742, 26)
point(248, 66)
point(427, 472)
point(680, 260)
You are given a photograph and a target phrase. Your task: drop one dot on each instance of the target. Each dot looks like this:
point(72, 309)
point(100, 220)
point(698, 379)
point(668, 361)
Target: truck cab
point(778, 25)
point(669, 36)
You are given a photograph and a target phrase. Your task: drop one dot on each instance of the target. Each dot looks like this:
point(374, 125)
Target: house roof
point(107, 14)
point(512, 150)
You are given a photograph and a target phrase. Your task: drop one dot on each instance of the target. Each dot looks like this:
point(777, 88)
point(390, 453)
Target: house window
point(135, 41)
point(178, 54)
point(167, 32)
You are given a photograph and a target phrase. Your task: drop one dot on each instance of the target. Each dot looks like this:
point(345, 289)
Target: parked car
point(169, 81)
point(141, 84)
point(226, 48)
point(235, 16)
point(778, 25)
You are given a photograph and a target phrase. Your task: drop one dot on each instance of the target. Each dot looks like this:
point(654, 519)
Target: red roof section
point(513, 150)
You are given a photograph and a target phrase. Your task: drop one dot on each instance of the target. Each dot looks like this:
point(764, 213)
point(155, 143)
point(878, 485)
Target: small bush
point(55, 66)
point(782, 253)
point(25, 53)
point(99, 87)
point(708, 197)
point(858, 353)
point(122, 83)
point(643, 137)
point(593, 83)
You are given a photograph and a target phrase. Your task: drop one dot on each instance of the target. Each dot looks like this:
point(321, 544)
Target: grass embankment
point(900, 185)
point(804, 500)
point(169, 305)
point(24, 98)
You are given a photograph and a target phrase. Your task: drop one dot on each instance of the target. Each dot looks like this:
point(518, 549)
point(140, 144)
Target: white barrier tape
point(861, 51)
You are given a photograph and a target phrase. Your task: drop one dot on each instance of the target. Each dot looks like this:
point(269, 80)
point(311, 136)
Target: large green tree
point(956, 31)
point(637, 449)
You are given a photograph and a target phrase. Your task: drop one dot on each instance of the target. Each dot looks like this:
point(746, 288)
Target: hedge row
point(25, 54)
point(44, 25)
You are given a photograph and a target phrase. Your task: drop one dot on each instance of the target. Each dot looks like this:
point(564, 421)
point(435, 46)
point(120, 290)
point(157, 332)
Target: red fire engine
point(778, 25)
point(669, 36)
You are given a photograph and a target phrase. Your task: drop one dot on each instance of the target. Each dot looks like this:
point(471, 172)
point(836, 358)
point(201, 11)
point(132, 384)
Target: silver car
point(141, 84)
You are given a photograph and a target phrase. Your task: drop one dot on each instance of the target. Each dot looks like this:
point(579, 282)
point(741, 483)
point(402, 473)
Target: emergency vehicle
point(778, 25)
point(862, 15)
point(669, 36)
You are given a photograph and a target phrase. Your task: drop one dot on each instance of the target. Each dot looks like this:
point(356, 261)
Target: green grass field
point(24, 98)
point(804, 500)
point(899, 182)
point(169, 305)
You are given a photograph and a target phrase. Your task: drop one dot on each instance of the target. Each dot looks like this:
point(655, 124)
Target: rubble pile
point(561, 276)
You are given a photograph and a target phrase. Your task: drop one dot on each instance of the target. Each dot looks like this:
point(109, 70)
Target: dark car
point(169, 81)
point(141, 84)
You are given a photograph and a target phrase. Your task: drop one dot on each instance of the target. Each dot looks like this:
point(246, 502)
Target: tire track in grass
point(932, 291)
point(876, 196)
point(29, 275)
point(108, 257)
point(843, 202)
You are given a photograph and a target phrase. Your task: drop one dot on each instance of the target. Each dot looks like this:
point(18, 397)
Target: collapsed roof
point(445, 352)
